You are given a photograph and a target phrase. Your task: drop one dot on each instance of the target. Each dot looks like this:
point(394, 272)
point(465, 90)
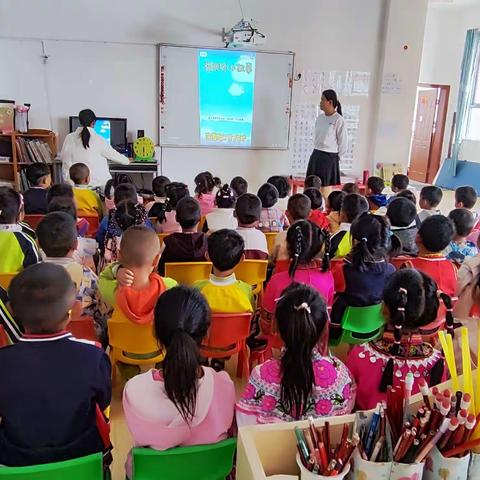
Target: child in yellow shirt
point(88, 202)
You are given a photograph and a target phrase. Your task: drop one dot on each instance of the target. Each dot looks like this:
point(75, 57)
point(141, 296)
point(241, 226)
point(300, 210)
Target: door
point(422, 134)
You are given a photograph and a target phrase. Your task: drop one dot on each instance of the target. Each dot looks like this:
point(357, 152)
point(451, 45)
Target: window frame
point(474, 104)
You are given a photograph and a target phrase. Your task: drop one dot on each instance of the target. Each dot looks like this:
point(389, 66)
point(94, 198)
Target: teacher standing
point(85, 145)
point(330, 142)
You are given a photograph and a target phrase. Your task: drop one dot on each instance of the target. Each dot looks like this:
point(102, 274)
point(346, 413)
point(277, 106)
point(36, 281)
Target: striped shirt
point(19, 249)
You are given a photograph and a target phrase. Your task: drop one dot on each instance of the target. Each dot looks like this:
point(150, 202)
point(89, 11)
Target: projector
point(243, 34)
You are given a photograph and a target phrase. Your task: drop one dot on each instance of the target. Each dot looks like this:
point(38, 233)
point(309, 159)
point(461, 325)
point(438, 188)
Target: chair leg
point(243, 362)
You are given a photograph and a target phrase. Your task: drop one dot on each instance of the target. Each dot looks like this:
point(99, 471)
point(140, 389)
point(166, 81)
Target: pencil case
point(437, 466)
point(474, 472)
point(308, 475)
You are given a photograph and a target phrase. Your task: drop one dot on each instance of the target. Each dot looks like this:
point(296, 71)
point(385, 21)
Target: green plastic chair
point(200, 462)
point(362, 324)
point(89, 467)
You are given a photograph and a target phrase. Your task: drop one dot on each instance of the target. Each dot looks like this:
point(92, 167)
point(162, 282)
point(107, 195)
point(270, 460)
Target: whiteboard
point(180, 103)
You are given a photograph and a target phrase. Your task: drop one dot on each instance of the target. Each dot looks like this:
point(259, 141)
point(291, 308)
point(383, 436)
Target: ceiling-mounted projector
point(243, 34)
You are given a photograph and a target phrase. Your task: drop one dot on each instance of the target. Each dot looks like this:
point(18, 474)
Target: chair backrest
point(161, 237)
point(227, 329)
point(253, 272)
point(93, 224)
point(187, 273)
point(336, 267)
point(200, 462)
point(90, 467)
point(363, 319)
point(271, 236)
point(6, 279)
point(83, 327)
point(33, 220)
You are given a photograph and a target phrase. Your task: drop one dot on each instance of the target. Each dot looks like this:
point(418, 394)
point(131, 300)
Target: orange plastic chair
point(6, 279)
point(253, 272)
point(187, 273)
point(94, 224)
point(33, 220)
point(125, 336)
point(271, 236)
point(227, 336)
point(161, 237)
point(83, 327)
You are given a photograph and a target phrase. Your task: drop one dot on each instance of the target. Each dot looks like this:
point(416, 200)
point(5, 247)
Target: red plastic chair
point(83, 327)
point(227, 336)
point(336, 267)
point(94, 224)
point(3, 337)
point(33, 220)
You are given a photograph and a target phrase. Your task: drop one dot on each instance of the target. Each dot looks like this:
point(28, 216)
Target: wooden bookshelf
point(10, 171)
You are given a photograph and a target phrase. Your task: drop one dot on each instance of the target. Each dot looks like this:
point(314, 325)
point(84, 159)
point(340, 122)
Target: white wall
point(445, 32)
point(119, 79)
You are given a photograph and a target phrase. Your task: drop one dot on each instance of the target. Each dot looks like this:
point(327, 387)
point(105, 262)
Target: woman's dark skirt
point(326, 166)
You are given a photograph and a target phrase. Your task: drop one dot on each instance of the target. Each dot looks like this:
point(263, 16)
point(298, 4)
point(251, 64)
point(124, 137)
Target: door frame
point(436, 144)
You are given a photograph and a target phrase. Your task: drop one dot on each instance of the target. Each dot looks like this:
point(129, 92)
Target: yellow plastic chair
point(187, 273)
point(6, 279)
point(126, 336)
point(253, 272)
point(271, 236)
point(161, 237)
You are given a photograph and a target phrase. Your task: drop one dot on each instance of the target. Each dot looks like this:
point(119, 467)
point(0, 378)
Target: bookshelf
point(10, 171)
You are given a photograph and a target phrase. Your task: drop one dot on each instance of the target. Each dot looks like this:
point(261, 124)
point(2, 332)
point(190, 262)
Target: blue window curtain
point(471, 58)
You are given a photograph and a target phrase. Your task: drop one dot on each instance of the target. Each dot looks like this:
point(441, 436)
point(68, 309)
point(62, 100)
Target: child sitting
point(224, 215)
point(13, 330)
point(334, 205)
point(459, 249)
point(18, 249)
point(306, 381)
point(88, 202)
point(409, 301)
point(239, 186)
point(402, 214)
point(313, 181)
point(376, 199)
point(350, 187)
point(35, 198)
point(399, 182)
point(183, 402)
point(430, 198)
point(433, 237)
point(299, 208)
point(272, 219)
point(366, 267)
point(283, 187)
point(353, 205)
point(305, 241)
point(247, 210)
point(190, 245)
point(60, 421)
point(466, 197)
point(159, 187)
point(165, 212)
point(316, 213)
point(205, 182)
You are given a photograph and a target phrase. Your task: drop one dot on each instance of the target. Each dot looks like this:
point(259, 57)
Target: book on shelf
point(33, 151)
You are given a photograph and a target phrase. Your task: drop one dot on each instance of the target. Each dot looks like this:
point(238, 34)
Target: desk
point(299, 182)
point(138, 171)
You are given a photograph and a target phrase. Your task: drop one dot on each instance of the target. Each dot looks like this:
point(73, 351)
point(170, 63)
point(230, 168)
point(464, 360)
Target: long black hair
point(86, 118)
point(302, 319)
point(182, 318)
point(205, 182)
point(372, 236)
point(305, 240)
point(413, 300)
point(331, 96)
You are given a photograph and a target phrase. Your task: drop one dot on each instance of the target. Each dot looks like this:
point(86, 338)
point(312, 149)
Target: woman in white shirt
point(86, 146)
point(330, 141)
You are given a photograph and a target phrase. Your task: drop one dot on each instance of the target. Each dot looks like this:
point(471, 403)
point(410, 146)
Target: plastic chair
point(94, 224)
point(361, 324)
point(187, 273)
point(253, 272)
point(6, 279)
point(83, 327)
point(227, 336)
point(90, 467)
point(161, 237)
point(200, 462)
point(125, 336)
point(271, 236)
point(33, 220)
point(336, 267)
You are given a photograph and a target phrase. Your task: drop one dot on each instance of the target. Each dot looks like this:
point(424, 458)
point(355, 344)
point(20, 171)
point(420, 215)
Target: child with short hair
point(399, 182)
point(306, 381)
point(165, 212)
point(334, 205)
point(88, 202)
point(283, 187)
point(248, 210)
point(51, 429)
point(466, 197)
point(313, 181)
point(430, 198)
point(410, 301)
point(239, 186)
point(205, 183)
point(35, 198)
point(459, 248)
point(376, 199)
point(402, 214)
point(18, 249)
point(224, 215)
point(353, 205)
point(189, 245)
point(350, 187)
point(316, 213)
point(272, 219)
point(159, 187)
point(305, 242)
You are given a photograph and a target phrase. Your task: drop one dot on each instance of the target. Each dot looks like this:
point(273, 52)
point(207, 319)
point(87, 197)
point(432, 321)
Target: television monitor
point(113, 130)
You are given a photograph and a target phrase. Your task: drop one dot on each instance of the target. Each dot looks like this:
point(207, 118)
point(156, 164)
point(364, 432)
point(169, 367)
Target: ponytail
point(297, 251)
point(128, 213)
point(86, 118)
point(326, 252)
point(85, 134)
point(339, 108)
point(447, 301)
point(398, 323)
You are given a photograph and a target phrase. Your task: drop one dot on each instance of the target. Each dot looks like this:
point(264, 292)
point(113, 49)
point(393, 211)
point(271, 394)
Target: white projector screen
point(224, 98)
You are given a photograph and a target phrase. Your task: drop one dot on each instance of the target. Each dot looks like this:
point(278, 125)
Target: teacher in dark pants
point(330, 142)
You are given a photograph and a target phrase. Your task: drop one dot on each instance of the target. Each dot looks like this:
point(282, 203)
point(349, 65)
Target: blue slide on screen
point(226, 91)
point(102, 127)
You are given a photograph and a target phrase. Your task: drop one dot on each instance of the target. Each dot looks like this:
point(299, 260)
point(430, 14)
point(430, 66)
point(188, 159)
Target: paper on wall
point(392, 84)
point(360, 83)
point(303, 133)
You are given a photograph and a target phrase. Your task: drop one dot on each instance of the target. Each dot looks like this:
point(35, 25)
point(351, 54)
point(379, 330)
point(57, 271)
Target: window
point(473, 130)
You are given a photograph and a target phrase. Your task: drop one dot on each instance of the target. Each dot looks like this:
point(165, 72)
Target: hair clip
point(402, 290)
point(449, 309)
point(302, 306)
point(364, 239)
point(400, 309)
point(398, 327)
